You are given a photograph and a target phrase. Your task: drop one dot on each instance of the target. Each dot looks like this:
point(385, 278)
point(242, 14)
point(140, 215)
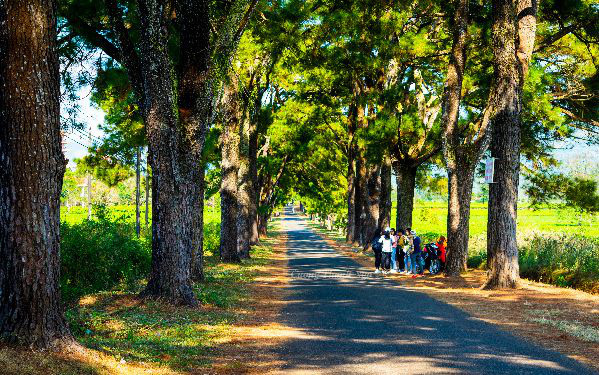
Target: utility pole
point(89, 181)
point(137, 178)
point(147, 187)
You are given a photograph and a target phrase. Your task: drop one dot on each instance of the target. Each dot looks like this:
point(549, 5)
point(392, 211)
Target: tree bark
point(263, 225)
point(197, 264)
point(460, 182)
point(351, 230)
point(229, 171)
point(244, 188)
point(361, 198)
point(460, 165)
point(385, 195)
point(351, 200)
point(32, 166)
point(175, 152)
point(253, 186)
point(371, 200)
point(406, 183)
point(509, 61)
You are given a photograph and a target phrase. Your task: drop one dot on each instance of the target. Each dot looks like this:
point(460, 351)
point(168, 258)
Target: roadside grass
point(557, 319)
point(574, 328)
point(181, 338)
point(120, 334)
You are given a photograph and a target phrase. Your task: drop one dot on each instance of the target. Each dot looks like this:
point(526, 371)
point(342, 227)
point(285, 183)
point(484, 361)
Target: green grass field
point(77, 214)
point(428, 217)
point(431, 217)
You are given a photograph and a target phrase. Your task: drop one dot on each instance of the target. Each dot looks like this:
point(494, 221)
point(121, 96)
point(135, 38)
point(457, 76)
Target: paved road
point(354, 323)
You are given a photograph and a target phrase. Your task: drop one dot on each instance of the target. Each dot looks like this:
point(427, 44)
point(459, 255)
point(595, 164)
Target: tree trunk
point(32, 166)
point(244, 194)
point(253, 186)
point(406, 183)
point(175, 161)
point(371, 205)
point(361, 199)
point(351, 230)
point(351, 202)
point(385, 196)
point(502, 249)
point(358, 197)
point(137, 192)
point(263, 225)
point(460, 182)
point(197, 264)
point(229, 168)
point(460, 171)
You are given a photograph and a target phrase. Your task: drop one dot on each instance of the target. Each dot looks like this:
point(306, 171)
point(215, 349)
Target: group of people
point(402, 252)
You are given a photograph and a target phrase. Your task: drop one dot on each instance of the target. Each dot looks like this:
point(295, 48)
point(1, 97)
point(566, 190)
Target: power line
point(87, 134)
point(74, 140)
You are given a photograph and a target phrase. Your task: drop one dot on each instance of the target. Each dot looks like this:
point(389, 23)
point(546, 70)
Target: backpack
point(376, 245)
point(407, 247)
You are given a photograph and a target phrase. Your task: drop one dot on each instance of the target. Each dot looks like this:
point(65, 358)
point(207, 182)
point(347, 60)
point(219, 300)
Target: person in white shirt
point(387, 242)
point(394, 260)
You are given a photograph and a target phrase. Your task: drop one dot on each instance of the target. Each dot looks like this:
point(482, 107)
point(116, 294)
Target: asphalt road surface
point(349, 321)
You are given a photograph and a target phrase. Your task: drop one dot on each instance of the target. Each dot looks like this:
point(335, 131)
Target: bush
point(100, 254)
point(211, 238)
point(563, 260)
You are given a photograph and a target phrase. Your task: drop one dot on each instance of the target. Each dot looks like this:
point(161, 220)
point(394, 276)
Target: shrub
point(211, 238)
point(563, 260)
point(100, 254)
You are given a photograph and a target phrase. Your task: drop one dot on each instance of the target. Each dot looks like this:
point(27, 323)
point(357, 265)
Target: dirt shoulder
point(254, 338)
point(564, 320)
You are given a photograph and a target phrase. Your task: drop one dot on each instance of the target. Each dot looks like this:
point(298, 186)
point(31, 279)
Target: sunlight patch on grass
point(127, 329)
point(574, 328)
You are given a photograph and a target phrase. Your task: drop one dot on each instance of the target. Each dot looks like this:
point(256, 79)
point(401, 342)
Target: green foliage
point(181, 338)
point(582, 194)
point(567, 260)
point(577, 192)
point(101, 254)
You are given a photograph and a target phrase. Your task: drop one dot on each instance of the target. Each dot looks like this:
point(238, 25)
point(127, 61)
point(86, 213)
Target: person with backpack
point(442, 245)
point(377, 247)
point(394, 260)
point(387, 249)
point(404, 246)
point(417, 255)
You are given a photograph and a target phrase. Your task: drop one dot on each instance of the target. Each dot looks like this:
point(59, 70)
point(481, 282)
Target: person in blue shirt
point(416, 257)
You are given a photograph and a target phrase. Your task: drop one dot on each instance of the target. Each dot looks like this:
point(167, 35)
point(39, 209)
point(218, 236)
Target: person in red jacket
point(442, 244)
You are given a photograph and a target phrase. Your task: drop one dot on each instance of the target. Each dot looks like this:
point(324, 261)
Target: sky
point(75, 143)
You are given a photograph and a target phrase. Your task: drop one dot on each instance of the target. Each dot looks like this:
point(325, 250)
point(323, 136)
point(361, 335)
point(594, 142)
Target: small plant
point(574, 328)
point(100, 254)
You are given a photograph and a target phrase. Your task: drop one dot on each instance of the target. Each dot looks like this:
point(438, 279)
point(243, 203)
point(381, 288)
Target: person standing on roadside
point(377, 247)
point(387, 249)
point(417, 261)
point(442, 244)
point(403, 245)
point(394, 259)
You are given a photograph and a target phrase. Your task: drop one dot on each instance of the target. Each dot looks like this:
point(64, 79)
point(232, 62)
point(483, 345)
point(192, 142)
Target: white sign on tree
point(489, 170)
